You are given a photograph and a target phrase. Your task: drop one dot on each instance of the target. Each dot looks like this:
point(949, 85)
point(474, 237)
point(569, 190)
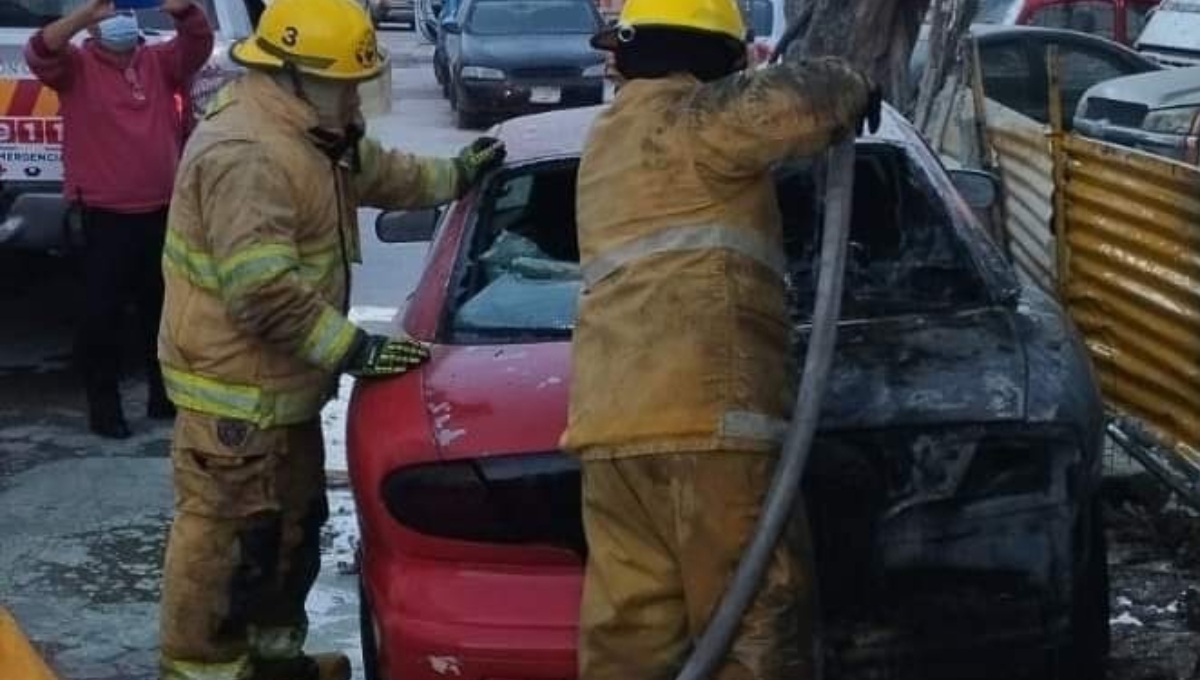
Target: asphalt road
point(82, 520)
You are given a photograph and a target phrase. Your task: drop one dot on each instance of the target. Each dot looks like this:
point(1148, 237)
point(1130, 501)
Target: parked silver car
point(1157, 112)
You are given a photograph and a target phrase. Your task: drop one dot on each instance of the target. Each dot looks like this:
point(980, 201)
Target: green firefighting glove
point(474, 161)
point(378, 355)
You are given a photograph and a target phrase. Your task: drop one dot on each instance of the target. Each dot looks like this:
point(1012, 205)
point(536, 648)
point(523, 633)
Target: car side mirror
point(406, 227)
point(979, 189)
point(452, 27)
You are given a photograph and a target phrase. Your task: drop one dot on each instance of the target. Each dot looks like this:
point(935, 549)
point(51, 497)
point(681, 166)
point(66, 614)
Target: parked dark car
point(1155, 112)
point(399, 11)
point(953, 489)
point(505, 57)
point(1015, 71)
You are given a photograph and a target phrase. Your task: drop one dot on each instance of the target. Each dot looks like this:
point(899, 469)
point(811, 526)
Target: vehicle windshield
point(520, 278)
point(762, 18)
point(523, 17)
point(38, 13)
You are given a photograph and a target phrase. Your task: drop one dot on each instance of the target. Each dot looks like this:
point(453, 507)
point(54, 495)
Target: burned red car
point(953, 488)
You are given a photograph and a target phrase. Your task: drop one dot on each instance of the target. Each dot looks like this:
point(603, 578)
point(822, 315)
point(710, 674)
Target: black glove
point(378, 355)
point(475, 161)
point(872, 115)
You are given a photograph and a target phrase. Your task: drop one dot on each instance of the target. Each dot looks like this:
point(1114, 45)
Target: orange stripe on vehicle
point(46, 104)
point(8, 88)
point(24, 99)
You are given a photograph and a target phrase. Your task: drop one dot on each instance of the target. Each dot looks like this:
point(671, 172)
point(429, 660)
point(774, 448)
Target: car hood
point(1157, 90)
point(996, 365)
point(1173, 30)
point(529, 51)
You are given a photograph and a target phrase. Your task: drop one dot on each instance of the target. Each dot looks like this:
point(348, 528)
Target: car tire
point(370, 646)
point(468, 120)
point(1086, 653)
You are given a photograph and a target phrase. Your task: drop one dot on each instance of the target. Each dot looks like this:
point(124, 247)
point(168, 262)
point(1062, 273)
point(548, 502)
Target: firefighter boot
point(331, 666)
point(105, 416)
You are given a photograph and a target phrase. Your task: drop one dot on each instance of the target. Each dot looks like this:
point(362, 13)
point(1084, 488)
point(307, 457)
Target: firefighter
point(260, 241)
point(682, 382)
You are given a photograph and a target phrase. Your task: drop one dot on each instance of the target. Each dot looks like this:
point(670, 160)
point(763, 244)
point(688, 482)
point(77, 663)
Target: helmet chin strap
point(337, 142)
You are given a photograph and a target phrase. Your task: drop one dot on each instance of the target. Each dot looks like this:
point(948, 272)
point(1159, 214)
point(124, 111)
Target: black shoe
point(109, 426)
point(160, 409)
point(105, 417)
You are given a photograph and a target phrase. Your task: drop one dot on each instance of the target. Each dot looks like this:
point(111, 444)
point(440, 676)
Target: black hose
point(782, 495)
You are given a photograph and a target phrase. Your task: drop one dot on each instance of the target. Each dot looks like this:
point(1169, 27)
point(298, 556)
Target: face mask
point(336, 103)
point(118, 33)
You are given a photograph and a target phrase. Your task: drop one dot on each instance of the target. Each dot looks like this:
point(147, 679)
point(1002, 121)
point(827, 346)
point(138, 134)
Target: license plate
point(545, 95)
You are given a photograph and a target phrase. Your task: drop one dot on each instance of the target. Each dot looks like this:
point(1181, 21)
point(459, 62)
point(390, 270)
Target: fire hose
point(710, 650)
point(784, 490)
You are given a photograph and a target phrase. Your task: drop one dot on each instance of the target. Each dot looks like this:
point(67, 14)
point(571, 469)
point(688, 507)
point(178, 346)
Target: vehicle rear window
point(518, 17)
point(38, 13)
point(904, 254)
point(994, 11)
point(1097, 18)
point(520, 280)
point(762, 18)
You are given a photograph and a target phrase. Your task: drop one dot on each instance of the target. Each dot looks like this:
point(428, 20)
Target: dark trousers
point(122, 266)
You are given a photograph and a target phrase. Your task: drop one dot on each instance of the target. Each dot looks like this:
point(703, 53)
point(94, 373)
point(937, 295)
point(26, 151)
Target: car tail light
point(178, 104)
point(525, 499)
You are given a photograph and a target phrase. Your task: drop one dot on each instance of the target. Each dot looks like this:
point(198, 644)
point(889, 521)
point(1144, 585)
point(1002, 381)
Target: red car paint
point(1121, 32)
point(446, 608)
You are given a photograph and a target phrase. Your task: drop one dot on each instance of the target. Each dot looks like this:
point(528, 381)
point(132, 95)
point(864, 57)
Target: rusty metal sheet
point(1022, 148)
point(1132, 281)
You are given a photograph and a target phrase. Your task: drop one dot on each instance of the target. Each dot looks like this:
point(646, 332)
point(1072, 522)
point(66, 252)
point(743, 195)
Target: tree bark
point(877, 36)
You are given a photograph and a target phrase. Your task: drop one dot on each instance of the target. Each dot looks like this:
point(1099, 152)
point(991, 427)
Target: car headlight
point(482, 73)
point(594, 71)
point(1180, 121)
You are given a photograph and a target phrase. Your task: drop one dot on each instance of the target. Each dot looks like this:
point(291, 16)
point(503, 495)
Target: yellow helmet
point(719, 17)
point(331, 39)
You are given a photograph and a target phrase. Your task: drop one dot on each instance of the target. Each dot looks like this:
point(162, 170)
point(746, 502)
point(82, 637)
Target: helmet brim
point(249, 53)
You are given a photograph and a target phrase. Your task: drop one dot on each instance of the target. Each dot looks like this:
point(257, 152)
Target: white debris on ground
point(333, 417)
point(1126, 619)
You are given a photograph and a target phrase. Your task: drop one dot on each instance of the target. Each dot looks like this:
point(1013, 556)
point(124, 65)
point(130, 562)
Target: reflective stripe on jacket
point(260, 238)
point(682, 337)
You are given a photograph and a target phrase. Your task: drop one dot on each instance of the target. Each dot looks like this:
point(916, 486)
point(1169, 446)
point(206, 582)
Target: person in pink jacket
point(122, 135)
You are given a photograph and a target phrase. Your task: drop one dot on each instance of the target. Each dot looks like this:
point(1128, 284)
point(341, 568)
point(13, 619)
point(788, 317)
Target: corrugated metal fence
point(1027, 172)
point(1116, 233)
point(1132, 280)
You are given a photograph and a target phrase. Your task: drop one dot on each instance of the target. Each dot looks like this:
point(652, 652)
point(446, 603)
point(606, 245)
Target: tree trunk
point(877, 36)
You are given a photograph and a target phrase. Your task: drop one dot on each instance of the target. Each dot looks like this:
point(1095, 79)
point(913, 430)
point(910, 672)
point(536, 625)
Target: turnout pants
point(122, 265)
point(665, 533)
point(244, 548)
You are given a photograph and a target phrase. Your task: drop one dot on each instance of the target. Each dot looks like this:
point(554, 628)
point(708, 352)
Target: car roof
point(563, 133)
point(988, 32)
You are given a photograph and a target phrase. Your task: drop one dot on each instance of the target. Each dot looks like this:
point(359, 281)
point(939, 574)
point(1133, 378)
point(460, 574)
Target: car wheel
point(1090, 635)
point(370, 646)
point(468, 120)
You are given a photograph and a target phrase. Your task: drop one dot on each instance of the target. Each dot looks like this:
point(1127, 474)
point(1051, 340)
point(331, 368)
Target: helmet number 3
point(290, 36)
